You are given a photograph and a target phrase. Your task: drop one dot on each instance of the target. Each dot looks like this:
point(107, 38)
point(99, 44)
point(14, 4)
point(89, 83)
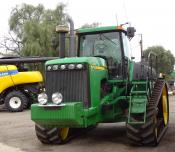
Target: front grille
point(72, 84)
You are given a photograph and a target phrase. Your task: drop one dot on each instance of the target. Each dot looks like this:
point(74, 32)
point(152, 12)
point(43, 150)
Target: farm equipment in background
point(18, 85)
point(100, 83)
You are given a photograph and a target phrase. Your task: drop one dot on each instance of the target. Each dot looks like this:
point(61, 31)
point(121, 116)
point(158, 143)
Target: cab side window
point(126, 46)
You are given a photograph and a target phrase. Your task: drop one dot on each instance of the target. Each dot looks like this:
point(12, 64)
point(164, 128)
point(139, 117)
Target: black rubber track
point(148, 133)
point(47, 135)
point(143, 134)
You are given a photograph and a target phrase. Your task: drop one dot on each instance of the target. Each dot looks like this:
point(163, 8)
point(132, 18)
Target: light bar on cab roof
point(120, 28)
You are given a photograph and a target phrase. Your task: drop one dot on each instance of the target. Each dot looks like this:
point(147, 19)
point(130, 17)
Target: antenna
point(141, 46)
point(116, 17)
point(125, 10)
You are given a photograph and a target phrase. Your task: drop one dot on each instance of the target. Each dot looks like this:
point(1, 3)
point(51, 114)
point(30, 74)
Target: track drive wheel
point(165, 106)
point(52, 135)
point(157, 119)
point(15, 101)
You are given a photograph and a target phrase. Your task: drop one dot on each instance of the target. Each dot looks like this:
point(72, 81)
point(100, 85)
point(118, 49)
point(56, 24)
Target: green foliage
point(35, 26)
point(165, 59)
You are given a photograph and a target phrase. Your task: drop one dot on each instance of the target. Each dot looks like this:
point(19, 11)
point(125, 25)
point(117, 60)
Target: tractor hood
point(97, 61)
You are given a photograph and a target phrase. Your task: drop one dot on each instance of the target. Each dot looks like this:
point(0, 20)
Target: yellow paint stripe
point(98, 67)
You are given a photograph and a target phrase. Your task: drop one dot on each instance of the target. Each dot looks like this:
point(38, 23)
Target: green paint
point(68, 114)
point(89, 60)
point(97, 29)
point(65, 115)
point(131, 70)
point(138, 100)
point(106, 108)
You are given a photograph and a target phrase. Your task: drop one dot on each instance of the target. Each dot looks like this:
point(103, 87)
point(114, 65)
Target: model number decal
point(12, 72)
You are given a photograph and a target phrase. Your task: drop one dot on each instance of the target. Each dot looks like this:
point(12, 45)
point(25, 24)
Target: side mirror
point(131, 32)
point(132, 58)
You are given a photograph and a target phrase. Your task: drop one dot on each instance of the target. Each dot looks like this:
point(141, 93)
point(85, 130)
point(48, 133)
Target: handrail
point(150, 62)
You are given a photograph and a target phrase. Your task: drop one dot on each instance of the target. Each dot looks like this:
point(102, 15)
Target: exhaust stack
point(72, 51)
point(62, 30)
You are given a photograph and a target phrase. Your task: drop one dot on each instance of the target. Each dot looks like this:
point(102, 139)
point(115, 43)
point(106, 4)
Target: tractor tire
point(144, 134)
point(157, 119)
point(58, 135)
point(15, 101)
point(52, 135)
point(28, 105)
point(30, 101)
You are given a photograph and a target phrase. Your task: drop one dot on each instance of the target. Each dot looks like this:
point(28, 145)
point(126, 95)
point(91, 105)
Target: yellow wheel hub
point(64, 132)
point(165, 106)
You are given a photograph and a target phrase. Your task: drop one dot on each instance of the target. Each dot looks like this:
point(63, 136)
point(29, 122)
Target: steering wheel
point(102, 56)
point(109, 60)
point(112, 65)
point(100, 47)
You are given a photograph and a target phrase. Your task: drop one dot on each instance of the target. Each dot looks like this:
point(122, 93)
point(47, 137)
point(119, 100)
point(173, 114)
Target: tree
point(31, 30)
point(10, 44)
point(165, 59)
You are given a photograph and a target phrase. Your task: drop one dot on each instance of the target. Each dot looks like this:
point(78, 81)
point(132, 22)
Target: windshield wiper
point(109, 39)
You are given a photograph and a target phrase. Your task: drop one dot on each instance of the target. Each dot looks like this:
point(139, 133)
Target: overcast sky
point(155, 19)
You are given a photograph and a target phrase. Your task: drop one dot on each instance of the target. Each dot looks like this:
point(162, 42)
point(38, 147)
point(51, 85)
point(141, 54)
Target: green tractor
point(100, 83)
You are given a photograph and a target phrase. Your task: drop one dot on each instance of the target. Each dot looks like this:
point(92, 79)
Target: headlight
point(42, 98)
point(71, 66)
point(49, 68)
point(57, 98)
point(63, 67)
point(55, 67)
point(79, 66)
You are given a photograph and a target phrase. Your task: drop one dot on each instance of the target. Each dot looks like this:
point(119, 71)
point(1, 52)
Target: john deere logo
point(98, 67)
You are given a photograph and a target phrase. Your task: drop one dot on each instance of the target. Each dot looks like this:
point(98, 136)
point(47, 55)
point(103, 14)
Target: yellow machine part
point(5, 68)
point(165, 106)
point(64, 133)
point(9, 76)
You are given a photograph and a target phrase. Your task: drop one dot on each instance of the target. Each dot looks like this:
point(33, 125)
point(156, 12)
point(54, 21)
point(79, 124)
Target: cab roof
point(98, 29)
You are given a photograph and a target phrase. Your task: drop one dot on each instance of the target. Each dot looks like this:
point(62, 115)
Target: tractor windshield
point(101, 44)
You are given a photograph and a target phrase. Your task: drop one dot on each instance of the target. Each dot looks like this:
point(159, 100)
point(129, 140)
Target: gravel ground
point(17, 134)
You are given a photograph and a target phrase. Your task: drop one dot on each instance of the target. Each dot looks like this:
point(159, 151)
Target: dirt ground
point(17, 134)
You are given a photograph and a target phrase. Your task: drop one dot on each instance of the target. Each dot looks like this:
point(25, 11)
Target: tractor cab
point(109, 43)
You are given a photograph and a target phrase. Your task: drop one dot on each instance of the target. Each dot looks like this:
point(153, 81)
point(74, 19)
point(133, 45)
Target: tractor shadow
point(2, 108)
point(115, 134)
point(103, 133)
